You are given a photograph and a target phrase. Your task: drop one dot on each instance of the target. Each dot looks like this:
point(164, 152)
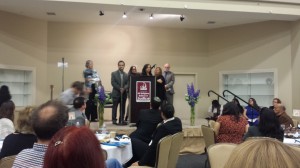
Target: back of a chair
point(162, 153)
point(104, 154)
point(175, 148)
point(208, 135)
point(219, 154)
point(7, 162)
point(211, 123)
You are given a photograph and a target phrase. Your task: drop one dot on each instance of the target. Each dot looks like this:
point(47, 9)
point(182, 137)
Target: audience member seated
point(73, 147)
point(23, 138)
point(241, 109)
point(47, 119)
point(145, 153)
point(268, 126)
point(148, 121)
point(251, 112)
point(4, 94)
point(77, 112)
point(230, 127)
point(282, 116)
point(7, 118)
point(70, 143)
point(67, 97)
point(275, 102)
point(215, 109)
point(263, 153)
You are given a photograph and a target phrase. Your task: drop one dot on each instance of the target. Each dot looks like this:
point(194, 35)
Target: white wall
point(254, 46)
point(184, 49)
point(23, 42)
point(295, 61)
point(30, 42)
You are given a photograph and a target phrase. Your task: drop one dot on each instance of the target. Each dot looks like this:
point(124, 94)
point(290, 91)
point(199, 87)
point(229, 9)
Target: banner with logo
point(143, 91)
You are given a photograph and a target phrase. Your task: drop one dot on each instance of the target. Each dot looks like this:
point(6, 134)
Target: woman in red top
point(231, 125)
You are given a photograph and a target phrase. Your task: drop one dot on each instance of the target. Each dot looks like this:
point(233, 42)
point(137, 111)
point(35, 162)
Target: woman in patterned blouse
point(231, 126)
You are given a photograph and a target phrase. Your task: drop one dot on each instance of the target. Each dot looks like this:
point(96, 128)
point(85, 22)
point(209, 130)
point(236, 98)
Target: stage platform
point(193, 139)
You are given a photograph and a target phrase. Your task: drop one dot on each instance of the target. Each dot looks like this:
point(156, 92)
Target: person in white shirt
point(6, 118)
point(215, 109)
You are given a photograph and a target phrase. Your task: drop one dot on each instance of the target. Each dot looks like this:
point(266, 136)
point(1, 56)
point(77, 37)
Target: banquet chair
point(211, 123)
point(208, 135)
point(7, 162)
point(167, 151)
point(104, 154)
point(209, 139)
point(218, 154)
point(175, 149)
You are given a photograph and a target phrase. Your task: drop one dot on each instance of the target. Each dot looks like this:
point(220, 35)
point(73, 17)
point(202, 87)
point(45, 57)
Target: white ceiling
point(166, 12)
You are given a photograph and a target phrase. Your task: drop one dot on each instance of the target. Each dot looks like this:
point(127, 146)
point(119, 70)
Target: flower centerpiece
point(101, 100)
point(192, 97)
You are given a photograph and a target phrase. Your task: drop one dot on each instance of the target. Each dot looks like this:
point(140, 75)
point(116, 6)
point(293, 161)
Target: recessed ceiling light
point(151, 16)
point(51, 13)
point(124, 15)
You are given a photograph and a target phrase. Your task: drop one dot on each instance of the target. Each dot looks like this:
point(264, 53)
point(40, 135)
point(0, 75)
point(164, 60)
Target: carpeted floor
point(191, 161)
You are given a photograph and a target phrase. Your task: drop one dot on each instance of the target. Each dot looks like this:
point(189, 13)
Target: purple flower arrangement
point(192, 96)
point(101, 95)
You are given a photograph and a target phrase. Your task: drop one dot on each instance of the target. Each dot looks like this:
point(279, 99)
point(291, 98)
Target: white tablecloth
point(122, 154)
point(290, 141)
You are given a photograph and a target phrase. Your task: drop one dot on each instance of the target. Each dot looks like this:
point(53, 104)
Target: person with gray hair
point(46, 120)
point(90, 75)
point(170, 80)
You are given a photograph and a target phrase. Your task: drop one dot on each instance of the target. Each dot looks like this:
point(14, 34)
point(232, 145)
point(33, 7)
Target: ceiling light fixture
point(151, 16)
point(101, 13)
point(124, 15)
point(181, 18)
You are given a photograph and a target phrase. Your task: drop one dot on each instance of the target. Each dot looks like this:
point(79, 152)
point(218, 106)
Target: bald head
point(48, 118)
point(167, 67)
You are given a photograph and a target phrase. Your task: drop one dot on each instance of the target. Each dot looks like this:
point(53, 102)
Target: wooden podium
point(142, 90)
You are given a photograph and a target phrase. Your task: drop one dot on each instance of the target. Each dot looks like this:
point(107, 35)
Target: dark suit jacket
point(146, 125)
point(170, 80)
point(160, 88)
point(169, 128)
point(116, 84)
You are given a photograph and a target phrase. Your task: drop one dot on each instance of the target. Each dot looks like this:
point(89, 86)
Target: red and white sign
point(143, 91)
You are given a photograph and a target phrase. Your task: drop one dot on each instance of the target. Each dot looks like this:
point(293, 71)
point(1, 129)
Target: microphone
point(153, 66)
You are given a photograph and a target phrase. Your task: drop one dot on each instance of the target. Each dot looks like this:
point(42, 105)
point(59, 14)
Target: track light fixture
point(124, 15)
point(151, 16)
point(101, 13)
point(181, 18)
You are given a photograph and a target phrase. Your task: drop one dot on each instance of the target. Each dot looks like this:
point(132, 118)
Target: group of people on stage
point(233, 119)
point(120, 88)
point(120, 83)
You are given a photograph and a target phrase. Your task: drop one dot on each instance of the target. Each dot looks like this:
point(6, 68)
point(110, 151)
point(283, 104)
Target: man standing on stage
point(119, 82)
point(170, 80)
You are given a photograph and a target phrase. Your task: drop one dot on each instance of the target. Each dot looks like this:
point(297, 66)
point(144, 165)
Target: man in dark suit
point(145, 153)
point(170, 80)
point(119, 82)
point(148, 121)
